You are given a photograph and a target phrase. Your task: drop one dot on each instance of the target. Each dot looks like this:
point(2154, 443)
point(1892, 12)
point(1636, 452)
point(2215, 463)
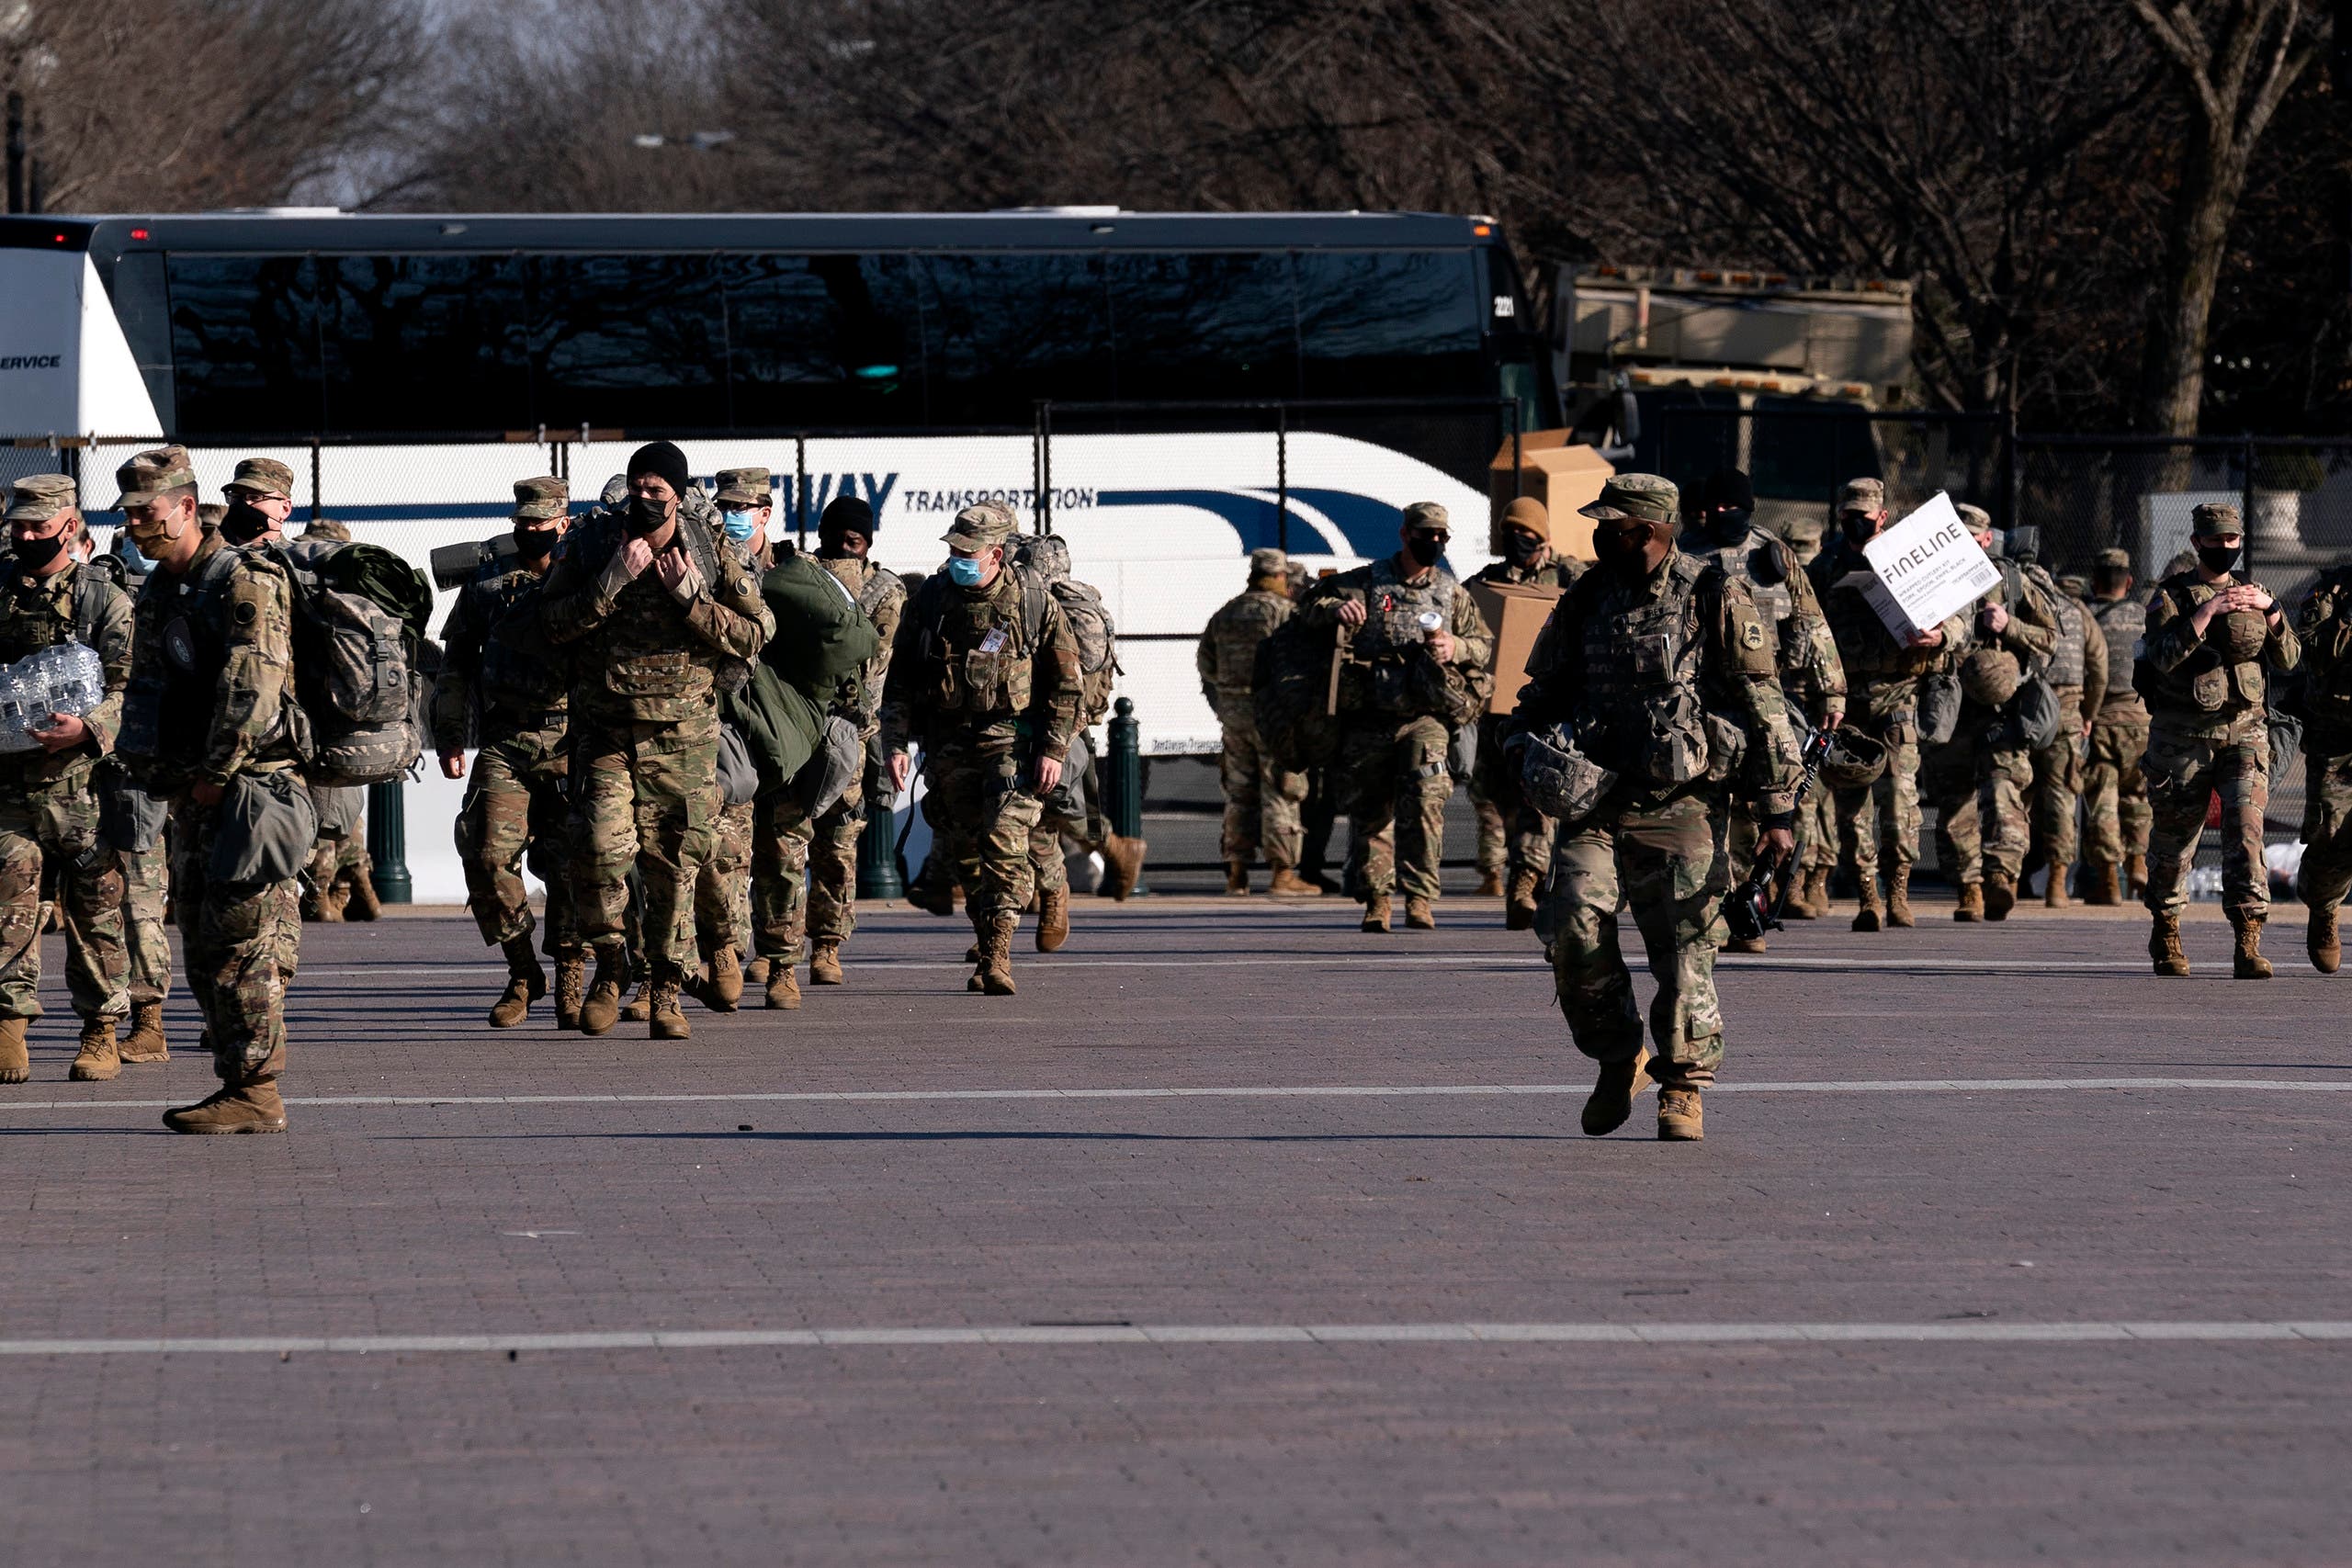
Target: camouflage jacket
point(1677, 662)
point(1226, 659)
point(1395, 593)
point(2323, 626)
point(991, 670)
point(2122, 624)
point(212, 672)
point(2078, 657)
point(883, 597)
point(1557, 571)
point(75, 604)
point(2210, 684)
point(1882, 674)
point(501, 679)
point(651, 659)
point(1811, 671)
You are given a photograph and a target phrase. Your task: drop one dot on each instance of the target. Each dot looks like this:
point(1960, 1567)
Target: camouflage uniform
point(724, 895)
point(1983, 775)
point(2115, 796)
point(341, 852)
point(985, 680)
point(1616, 660)
point(1047, 556)
point(49, 800)
point(2208, 734)
point(1262, 797)
point(1391, 773)
point(146, 862)
point(1515, 839)
point(2323, 625)
point(2079, 674)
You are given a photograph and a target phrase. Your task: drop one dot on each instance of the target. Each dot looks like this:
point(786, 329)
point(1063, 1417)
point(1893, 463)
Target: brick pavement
point(1814, 1206)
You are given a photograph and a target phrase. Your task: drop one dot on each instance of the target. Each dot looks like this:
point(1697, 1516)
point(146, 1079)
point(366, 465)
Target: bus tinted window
point(424, 343)
point(824, 341)
point(1203, 325)
point(628, 341)
point(1390, 325)
point(1004, 331)
point(244, 345)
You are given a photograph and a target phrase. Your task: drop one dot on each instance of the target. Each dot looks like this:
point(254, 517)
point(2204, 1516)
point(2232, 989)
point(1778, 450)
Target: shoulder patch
point(245, 612)
point(1751, 632)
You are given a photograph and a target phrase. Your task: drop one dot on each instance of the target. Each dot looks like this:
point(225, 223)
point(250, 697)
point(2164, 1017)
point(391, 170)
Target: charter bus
point(409, 366)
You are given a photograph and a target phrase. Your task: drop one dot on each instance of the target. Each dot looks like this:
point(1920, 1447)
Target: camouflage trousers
point(2326, 874)
point(984, 817)
point(239, 943)
point(723, 883)
point(515, 813)
point(2184, 773)
point(645, 795)
point(146, 892)
point(1512, 835)
point(2058, 786)
point(1048, 862)
point(1391, 779)
point(58, 824)
point(1660, 862)
point(2115, 797)
point(1261, 798)
point(1979, 794)
point(1881, 821)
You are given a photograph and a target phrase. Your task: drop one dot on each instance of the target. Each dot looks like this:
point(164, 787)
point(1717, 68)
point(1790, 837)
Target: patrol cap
point(1269, 563)
point(1863, 495)
point(1526, 512)
point(2114, 560)
point(616, 491)
point(36, 498)
point(208, 514)
point(1979, 521)
point(541, 499)
point(2076, 583)
point(264, 476)
point(982, 525)
point(1428, 514)
point(1635, 497)
point(147, 473)
point(327, 529)
point(745, 487)
point(2216, 520)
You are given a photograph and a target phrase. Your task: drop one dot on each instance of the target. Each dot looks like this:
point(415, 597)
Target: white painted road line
point(1310, 1091)
point(1969, 1333)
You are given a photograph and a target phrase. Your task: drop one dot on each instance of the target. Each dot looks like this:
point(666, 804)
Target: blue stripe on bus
point(1369, 525)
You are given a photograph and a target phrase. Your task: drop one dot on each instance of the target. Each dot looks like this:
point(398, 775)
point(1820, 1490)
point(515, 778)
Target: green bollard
point(878, 857)
point(1123, 788)
point(387, 841)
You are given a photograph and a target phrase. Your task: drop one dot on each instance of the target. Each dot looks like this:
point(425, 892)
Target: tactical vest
point(1758, 561)
point(1638, 709)
point(2327, 659)
point(167, 711)
point(1390, 672)
point(521, 674)
point(39, 625)
point(2218, 681)
point(669, 674)
point(1235, 632)
point(2067, 659)
point(2124, 622)
point(963, 676)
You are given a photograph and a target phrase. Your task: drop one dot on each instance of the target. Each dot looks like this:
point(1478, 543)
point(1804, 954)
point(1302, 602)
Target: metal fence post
point(1043, 512)
point(387, 841)
point(2246, 506)
point(800, 487)
point(1281, 478)
point(1124, 786)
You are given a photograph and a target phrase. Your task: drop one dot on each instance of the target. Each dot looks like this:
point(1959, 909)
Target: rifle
point(1753, 906)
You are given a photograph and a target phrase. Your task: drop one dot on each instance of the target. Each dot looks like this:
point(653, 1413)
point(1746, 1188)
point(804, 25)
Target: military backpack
point(359, 619)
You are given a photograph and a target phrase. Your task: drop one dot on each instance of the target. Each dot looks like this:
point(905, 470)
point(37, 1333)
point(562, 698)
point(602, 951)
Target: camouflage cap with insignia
point(1428, 514)
point(1978, 520)
point(327, 529)
point(1269, 563)
point(1863, 495)
point(264, 476)
point(36, 498)
point(541, 499)
point(2114, 560)
point(2217, 520)
point(150, 472)
point(1635, 497)
point(981, 525)
point(745, 487)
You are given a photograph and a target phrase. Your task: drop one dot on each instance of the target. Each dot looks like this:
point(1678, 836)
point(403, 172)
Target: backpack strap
point(1036, 595)
point(89, 603)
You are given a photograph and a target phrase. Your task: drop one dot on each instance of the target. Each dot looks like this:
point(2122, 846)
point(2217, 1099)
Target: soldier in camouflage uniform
point(845, 548)
point(49, 805)
point(985, 677)
point(341, 879)
point(503, 686)
point(1515, 839)
point(1046, 556)
point(1407, 682)
point(745, 501)
point(2200, 667)
point(138, 831)
point(661, 614)
point(2079, 674)
point(2115, 797)
point(2324, 626)
point(1817, 812)
point(1812, 680)
point(209, 710)
point(1879, 821)
point(1656, 658)
point(1262, 797)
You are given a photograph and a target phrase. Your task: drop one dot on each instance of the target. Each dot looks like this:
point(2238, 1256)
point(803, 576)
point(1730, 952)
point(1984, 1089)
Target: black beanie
point(661, 458)
point(846, 512)
point(1729, 486)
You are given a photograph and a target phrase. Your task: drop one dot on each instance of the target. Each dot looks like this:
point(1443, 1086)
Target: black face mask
point(244, 523)
point(1423, 549)
point(1731, 524)
point(646, 515)
point(535, 544)
point(37, 553)
point(2217, 558)
point(1520, 548)
point(1624, 552)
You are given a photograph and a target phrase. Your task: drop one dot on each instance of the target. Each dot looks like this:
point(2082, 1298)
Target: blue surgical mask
point(737, 526)
point(963, 570)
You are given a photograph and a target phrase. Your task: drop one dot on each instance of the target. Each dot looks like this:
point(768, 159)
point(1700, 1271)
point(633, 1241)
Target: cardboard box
point(1514, 612)
point(1555, 470)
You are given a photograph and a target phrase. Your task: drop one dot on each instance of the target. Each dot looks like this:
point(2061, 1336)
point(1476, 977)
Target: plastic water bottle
point(74, 677)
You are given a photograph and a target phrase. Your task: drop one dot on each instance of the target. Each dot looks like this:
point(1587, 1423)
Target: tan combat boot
point(2164, 945)
point(1898, 899)
point(16, 1062)
point(2320, 941)
point(571, 990)
point(2055, 895)
point(97, 1060)
point(1490, 884)
point(1237, 878)
point(783, 986)
point(1519, 907)
point(755, 973)
point(526, 982)
point(1375, 913)
point(2135, 876)
point(1971, 907)
point(1288, 884)
point(825, 963)
point(1680, 1118)
point(664, 1019)
point(639, 1006)
point(2248, 964)
point(2100, 886)
point(2000, 895)
point(602, 1008)
point(931, 897)
point(996, 956)
point(364, 905)
point(1122, 866)
point(1418, 914)
point(146, 1042)
point(253, 1108)
point(726, 981)
point(1866, 918)
point(330, 904)
point(1053, 919)
point(1611, 1099)
point(1742, 944)
point(1815, 893)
